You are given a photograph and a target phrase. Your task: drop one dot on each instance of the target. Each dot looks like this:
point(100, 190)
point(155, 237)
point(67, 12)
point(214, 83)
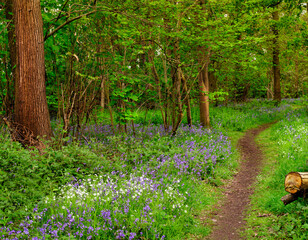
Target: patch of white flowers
point(106, 189)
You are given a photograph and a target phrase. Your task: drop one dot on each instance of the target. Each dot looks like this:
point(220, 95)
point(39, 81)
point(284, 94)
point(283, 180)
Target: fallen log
point(289, 198)
point(296, 183)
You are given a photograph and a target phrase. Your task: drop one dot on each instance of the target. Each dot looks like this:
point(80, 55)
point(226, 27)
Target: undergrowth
point(233, 117)
point(88, 188)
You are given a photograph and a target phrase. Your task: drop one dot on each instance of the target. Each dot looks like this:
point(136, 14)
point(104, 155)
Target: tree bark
point(269, 92)
point(276, 64)
point(187, 100)
point(203, 94)
point(287, 199)
point(157, 82)
point(167, 93)
point(296, 95)
point(103, 90)
point(31, 108)
point(176, 76)
point(178, 109)
point(203, 80)
point(109, 107)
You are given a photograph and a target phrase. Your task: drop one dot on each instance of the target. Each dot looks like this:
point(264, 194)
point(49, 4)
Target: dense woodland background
point(120, 119)
point(129, 55)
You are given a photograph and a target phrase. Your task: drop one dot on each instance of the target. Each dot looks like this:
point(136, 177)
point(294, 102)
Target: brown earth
point(229, 219)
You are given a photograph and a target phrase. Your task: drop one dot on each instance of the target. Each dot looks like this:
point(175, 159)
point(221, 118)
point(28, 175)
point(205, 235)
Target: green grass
point(286, 149)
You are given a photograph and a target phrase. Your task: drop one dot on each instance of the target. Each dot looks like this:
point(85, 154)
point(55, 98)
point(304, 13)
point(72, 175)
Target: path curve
point(229, 219)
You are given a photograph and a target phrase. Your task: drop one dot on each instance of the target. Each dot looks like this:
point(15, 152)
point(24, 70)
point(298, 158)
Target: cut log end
point(296, 181)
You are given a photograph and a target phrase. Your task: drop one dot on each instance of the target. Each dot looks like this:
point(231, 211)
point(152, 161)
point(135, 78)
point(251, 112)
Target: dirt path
point(229, 218)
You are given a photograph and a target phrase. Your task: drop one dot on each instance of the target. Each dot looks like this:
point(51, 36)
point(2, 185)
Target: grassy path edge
point(214, 191)
point(267, 217)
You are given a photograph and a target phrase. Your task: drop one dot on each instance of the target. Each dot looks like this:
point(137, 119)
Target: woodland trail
point(229, 218)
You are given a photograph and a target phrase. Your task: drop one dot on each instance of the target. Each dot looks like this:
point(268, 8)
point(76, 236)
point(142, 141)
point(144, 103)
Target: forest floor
point(228, 218)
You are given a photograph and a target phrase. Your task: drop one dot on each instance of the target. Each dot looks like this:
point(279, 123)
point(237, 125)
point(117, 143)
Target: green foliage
point(115, 41)
point(218, 96)
point(28, 176)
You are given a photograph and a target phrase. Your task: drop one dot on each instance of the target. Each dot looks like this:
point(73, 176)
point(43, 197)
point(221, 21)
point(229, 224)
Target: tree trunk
point(276, 65)
point(101, 64)
point(158, 87)
point(167, 93)
point(179, 109)
point(187, 100)
point(176, 76)
point(109, 107)
point(103, 90)
point(177, 114)
point(296, 95)
point(203, 94)
point(269, 92)
point(31, 108)
point(173, 94)
point(203, 77)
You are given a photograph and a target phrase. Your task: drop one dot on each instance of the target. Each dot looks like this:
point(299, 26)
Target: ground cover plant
point(145, 193)
point(27, 176)
point(286, 148)
point(143, 184)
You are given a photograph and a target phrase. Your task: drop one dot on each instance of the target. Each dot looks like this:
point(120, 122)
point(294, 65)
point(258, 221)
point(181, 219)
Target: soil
point(229, 219)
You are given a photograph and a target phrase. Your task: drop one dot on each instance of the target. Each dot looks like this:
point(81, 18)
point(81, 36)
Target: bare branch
point(68, 22)
point(8, 24)
point(59, 16)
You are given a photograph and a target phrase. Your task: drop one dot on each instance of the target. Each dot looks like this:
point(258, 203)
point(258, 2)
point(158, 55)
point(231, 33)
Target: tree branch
point(57, 18)
point(68, 22)
point(7, 26)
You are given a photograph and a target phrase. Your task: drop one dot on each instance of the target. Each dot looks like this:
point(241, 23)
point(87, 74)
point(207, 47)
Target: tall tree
point(204, 85)
point(31, 108)
point(276, 64)
point(204, 88)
